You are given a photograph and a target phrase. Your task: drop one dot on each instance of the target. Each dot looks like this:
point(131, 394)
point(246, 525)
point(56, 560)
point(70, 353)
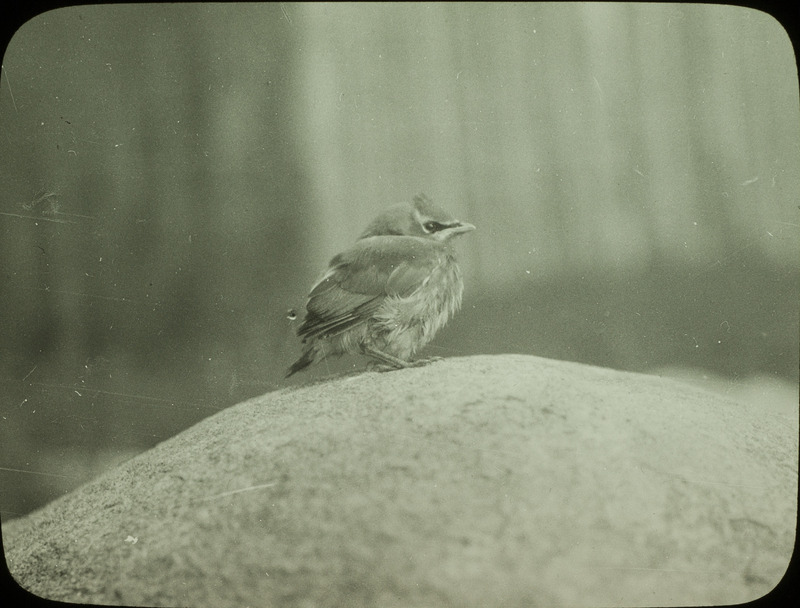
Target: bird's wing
point(359, 279)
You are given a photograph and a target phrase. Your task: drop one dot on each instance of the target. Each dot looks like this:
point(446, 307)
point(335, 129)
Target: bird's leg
point(395, 362)
point(374, 366)
point(429, 360)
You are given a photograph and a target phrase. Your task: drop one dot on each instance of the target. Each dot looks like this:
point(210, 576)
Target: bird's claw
point(374, 366)
point(421, 362)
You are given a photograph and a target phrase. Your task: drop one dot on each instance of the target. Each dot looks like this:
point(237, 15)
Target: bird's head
point(419, 218)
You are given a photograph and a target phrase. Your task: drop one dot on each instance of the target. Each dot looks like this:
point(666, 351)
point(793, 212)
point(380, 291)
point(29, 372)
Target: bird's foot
point(390, 363)
point(374, 366)
point(421, 362)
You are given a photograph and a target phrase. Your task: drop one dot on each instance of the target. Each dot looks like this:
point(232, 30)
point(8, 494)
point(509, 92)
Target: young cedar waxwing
point(388, 294)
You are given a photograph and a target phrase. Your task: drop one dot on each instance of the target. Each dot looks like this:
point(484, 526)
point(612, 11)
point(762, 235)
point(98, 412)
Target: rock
point(481, 481)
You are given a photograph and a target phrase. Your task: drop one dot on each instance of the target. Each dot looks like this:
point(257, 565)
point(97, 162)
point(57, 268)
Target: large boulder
point(480, 481)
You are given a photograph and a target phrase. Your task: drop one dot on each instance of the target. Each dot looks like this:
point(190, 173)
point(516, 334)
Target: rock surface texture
point(480, 481)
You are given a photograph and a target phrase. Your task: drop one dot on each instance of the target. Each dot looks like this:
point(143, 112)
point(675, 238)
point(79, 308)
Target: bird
point(388, 294)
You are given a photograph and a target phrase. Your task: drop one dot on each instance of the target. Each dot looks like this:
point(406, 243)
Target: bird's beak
point(462, 227)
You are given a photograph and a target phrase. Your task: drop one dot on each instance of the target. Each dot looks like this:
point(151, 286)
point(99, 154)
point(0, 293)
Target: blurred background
point(175, 178)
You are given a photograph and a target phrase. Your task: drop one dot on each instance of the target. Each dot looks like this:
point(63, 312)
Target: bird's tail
point(306, 359)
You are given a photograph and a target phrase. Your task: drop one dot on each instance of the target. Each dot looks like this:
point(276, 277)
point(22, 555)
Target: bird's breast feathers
point(402, 325)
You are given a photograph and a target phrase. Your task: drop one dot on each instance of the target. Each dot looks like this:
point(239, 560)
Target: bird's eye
point(432, 226)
